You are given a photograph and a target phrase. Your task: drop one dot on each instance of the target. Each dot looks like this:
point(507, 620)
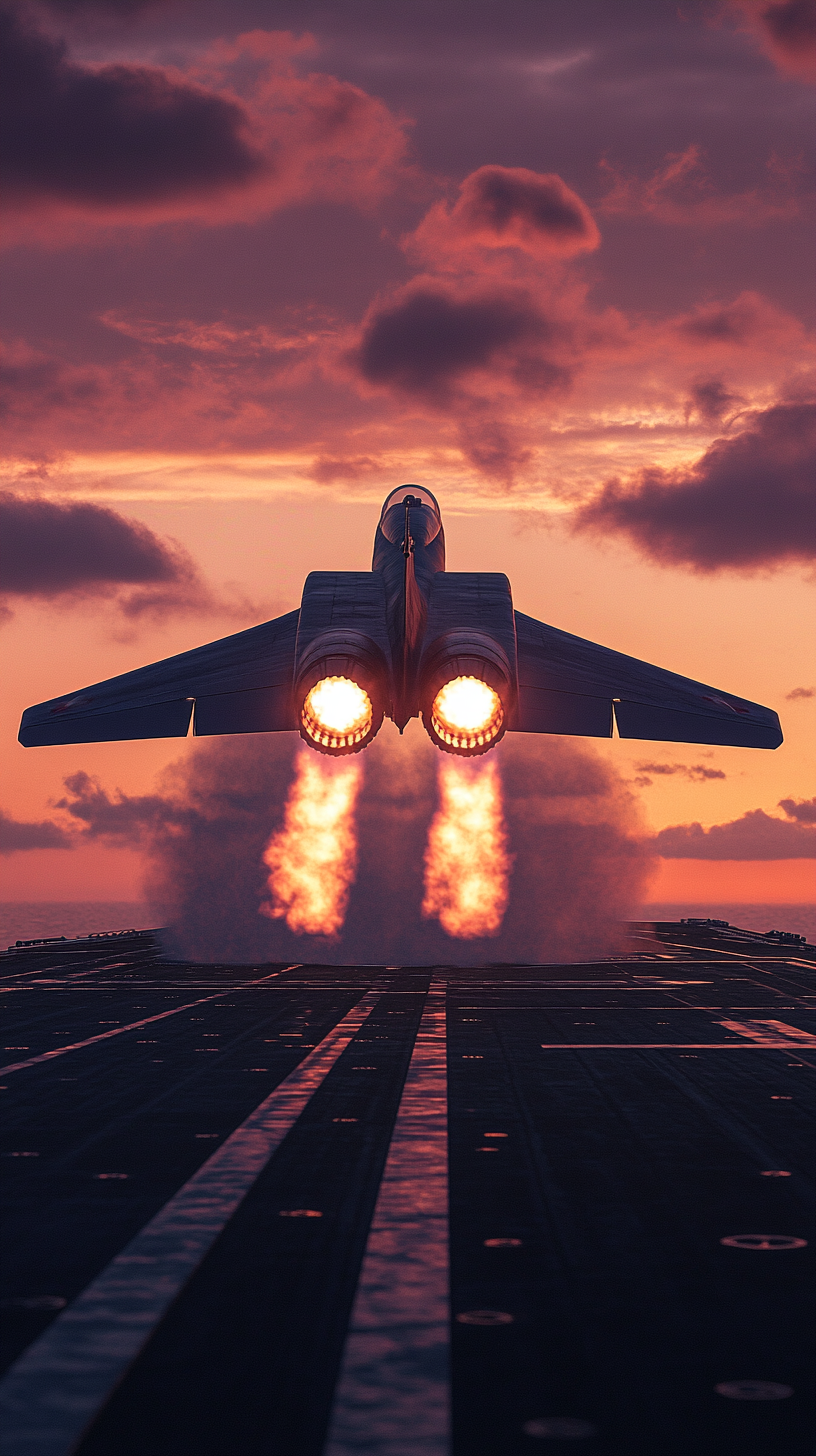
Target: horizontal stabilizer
point(239, 684)
point(567, 681)
point(671, 725)
point(159, 720)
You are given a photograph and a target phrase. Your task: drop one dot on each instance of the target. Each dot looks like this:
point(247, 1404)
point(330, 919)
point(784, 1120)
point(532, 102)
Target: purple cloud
point(429, 338)
point(19, 834)
point(52, 548)
point(110, 135)
point(698, 773)
point(802, 810)
point(748, 503)
point(755, 836)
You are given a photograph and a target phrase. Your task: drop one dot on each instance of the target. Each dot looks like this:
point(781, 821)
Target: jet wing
point(240, 684)
point(568, 685)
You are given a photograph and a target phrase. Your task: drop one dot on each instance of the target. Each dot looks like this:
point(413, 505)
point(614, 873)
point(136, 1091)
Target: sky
point(552, 259)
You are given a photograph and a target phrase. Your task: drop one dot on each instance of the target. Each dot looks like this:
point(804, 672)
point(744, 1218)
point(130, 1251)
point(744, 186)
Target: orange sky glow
point(586, 326)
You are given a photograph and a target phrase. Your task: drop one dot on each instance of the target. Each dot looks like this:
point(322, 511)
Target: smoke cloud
point(579, 863)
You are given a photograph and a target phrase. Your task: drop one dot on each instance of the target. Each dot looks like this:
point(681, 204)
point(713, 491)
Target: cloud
point(508, 207)
point(712, 401)
point(755, 836)
point(237, 135)
point(580, 863)
point(741, 322)
point(18, 834)
point(698, 773)
point(79, 551)
point(116, 8)
point(746, 504)
point(786, 31)
point(802, 810)
point(120, 819)
point(112, 134)
point(796, 694)
point(680, 194)
point(429, 338)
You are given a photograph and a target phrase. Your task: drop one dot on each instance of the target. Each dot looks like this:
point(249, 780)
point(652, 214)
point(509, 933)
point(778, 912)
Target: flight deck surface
point(395, 1210)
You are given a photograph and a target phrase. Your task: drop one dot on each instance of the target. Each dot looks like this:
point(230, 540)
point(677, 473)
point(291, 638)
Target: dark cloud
point(79, 552)
point(579, 866)
point(698, 773)
point(712, 401)
point(429, 339)
point(104, 7)
point(792, 24)
point(747, 503)
point(797, 693)
point(755, 836)
point(113, 135)
point(17, 834)
point(120, 819)
point(509, 207)
point(802, 810)
point(50, 549)
point(496, 197)
point(731, 323)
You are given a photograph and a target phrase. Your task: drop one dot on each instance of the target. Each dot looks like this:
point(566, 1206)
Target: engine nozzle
point(466, 692)
point(339, 692)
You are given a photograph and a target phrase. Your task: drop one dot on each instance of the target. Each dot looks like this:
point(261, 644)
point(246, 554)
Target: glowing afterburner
point(312, 858)
point(467, 713)
point(467, 862)
point(337, 713)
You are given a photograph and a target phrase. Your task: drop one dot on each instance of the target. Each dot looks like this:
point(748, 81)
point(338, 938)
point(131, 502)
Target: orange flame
point(467, 864)
point(312, 859)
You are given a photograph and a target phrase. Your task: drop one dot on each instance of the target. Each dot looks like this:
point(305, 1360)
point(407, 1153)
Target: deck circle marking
point(559, 1428)
point(753, 1390)
point(763, 1241)
point(490, 1318)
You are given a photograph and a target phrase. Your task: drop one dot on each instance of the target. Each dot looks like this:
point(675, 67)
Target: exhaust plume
point(467, 866)
point(580, 860)
point(312, 858)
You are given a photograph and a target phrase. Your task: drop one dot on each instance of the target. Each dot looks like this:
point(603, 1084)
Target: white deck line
point(393, 1393)
point(75, 1046)
point(54, 1390)
point(671, 1046)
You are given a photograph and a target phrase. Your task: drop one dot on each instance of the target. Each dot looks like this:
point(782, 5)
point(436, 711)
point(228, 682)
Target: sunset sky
point(552, 259)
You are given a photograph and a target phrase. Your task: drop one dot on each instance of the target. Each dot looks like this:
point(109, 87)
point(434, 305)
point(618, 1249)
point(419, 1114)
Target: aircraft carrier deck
point(409, 1211)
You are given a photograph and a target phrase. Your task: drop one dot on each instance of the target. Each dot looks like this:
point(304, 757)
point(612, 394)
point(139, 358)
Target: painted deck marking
point(76, 1046)
point(52, 1393)
point(670, 1046)
point(393, 1393)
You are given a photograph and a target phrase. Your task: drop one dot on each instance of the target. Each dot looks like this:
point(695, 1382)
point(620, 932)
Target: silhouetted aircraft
point(406, 639)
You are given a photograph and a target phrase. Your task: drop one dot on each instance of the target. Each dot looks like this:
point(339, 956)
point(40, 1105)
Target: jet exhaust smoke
point(572, 828)
point(467, 864)
point(312, 858)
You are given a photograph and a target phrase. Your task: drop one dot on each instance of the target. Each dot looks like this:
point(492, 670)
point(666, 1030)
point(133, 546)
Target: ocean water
point(800, 919)
point(31, 920)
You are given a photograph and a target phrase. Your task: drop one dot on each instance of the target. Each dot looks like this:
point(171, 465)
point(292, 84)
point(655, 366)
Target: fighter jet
point(407, 639)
